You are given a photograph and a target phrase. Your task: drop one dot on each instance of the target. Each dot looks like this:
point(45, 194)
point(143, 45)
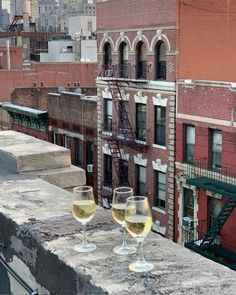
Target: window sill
point(159, 210)
point(162, 147)
point(140, 141)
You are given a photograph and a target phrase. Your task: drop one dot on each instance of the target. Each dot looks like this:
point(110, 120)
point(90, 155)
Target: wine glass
point(83, 208)
point(138, 220)
point(120, 196)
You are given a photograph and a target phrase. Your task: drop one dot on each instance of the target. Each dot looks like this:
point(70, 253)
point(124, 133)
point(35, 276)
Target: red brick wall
point(122, 14)
point(51, 74)
point(207, 40)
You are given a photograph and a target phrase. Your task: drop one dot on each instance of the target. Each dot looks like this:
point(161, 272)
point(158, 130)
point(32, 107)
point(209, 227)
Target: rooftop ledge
point(40, 232)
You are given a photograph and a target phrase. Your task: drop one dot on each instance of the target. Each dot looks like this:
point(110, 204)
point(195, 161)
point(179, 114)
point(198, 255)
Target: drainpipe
point(8, 55)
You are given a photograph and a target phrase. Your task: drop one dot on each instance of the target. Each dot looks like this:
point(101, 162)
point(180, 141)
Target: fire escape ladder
point(218, 224)
point(124, 129)
point(116, 158)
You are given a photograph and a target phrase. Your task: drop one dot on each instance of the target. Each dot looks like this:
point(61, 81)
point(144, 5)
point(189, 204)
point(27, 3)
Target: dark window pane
point(141, 121)
point(160, 125)
point(160, 190)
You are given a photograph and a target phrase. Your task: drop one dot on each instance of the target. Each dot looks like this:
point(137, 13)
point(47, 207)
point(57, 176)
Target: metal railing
point(127, 71)
point(201, 168)
point(9, 270)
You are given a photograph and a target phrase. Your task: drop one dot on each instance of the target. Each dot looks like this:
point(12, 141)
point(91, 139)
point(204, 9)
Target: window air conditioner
point(90, 168)
point(187, 222)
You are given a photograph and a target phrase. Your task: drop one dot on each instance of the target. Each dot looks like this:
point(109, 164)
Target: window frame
point(157, 201)
point(107, 172)
point(212, 153)
point(160, 71)
point(160, 124)
point(187, 205)
point(186, 145)
point(107, 118)
point(140, 129)
point(78, 152)
point(141, 191)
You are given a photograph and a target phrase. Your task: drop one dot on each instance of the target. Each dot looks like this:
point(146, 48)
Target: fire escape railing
point(201, 168)
point(126, 71)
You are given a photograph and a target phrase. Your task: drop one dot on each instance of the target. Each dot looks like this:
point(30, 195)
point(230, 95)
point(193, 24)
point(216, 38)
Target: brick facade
point(157, 23)
point(72, 122)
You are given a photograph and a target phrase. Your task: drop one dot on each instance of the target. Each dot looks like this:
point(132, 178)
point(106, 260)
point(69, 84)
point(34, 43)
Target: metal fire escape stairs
point(217, 224)
point(122, 133)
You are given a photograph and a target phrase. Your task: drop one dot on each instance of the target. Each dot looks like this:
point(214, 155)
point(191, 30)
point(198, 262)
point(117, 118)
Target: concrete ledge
point(22, 153)
point(38, 228)
point(68, 177)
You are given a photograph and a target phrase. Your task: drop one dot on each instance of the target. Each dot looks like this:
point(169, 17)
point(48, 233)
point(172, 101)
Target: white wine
point(138, 225)
point(83, 210)
point(118, 213)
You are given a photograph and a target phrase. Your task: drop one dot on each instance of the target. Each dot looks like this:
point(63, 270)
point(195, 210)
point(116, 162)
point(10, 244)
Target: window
point(107, 60)
point(161, 61)
point(78, 153)
point(89, 152)
point(141, 63)
point(107, 114)
point(123, 112)
point(214, 208)
point(141, 121)
point(140, 180)
point(160, 125)
point(107, 170)
point(123, 57)
point(189, 142)
point(66, 142)
point(215, 149)
point(123, 172)
point(160, 190)
point(188, 203)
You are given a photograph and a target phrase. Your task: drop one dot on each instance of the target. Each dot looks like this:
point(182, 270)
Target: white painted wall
point(57, 51)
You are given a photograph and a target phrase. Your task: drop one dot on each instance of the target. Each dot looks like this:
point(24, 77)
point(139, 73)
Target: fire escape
point(222, 182)
point(121, 134)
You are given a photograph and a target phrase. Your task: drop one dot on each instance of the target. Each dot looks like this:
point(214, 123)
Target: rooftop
point(40, 232)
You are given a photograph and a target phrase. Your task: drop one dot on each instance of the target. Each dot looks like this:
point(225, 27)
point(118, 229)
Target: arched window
point(123, 59)
point(160, 61)
point(141, 63)
point(107, 60)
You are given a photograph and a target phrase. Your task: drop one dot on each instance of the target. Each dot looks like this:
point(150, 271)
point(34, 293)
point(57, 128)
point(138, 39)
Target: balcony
point(126, 72)
point(221, 180)
point(124, 136)
point(220, 250)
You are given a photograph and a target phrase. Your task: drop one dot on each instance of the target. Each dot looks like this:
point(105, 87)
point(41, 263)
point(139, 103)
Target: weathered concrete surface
point(63, 177)
point(38, 227)
point(22, 153)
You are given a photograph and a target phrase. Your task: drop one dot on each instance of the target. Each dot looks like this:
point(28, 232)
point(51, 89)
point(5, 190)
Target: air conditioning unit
point(187, 222)
point(90, 168)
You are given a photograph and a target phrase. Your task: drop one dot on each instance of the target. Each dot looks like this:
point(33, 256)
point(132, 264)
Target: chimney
point(8, 55)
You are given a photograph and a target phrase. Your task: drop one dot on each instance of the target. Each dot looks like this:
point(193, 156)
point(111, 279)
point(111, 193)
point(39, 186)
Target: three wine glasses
point(131, 212)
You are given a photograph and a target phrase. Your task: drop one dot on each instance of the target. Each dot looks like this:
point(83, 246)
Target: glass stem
point(124, 236)
point(84, 233)
point(140, 251)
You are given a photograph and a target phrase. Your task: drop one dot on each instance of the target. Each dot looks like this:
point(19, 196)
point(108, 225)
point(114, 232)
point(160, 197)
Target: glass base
point(141, 266)
point(124, 250)
point(84, 248)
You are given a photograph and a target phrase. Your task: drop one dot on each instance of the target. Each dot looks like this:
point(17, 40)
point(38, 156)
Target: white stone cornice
point(158, 166)
point(159, 101)
point(139, 160)
point(139, 98)
point(106, 93)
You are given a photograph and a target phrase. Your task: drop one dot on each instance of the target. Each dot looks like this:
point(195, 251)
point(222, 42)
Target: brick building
point(136, 102)
point(72, 120)
point(205, 130)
